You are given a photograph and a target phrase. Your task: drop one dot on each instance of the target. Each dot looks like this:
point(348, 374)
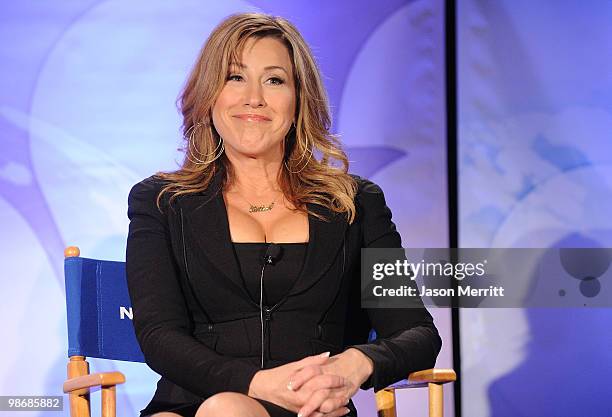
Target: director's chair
point(99, 326)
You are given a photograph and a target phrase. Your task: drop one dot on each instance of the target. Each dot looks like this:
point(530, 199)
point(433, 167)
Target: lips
point(253, 117)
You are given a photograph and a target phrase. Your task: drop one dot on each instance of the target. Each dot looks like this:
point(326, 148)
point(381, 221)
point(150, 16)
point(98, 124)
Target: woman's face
point(256, 107)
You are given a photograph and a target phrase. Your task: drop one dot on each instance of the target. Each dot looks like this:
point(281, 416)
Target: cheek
point(286, 106)
point(215, 115)
point(219, 110)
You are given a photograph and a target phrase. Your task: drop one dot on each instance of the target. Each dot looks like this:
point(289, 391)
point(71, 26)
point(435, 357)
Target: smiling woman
point(253, 199)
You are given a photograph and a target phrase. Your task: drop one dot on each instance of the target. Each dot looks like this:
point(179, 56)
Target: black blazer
point(199, 329)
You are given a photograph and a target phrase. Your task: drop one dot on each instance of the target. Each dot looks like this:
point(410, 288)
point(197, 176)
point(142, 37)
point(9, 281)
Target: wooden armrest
point(103, 379)
point(437, 376)
point(422, 378)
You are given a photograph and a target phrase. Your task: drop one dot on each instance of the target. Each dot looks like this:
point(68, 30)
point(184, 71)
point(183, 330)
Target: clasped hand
point(316, 385)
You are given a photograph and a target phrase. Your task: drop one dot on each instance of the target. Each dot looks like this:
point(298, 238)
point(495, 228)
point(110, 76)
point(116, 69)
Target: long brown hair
point(304, 176)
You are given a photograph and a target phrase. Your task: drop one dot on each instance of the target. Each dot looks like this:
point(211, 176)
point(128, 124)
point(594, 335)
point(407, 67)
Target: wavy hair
point(315, 168)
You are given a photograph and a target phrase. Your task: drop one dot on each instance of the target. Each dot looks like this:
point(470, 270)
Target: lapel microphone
point(270, 257)
point(272, 254)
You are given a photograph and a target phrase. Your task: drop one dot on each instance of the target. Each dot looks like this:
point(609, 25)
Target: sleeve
point(407, 339)
point(162, 321)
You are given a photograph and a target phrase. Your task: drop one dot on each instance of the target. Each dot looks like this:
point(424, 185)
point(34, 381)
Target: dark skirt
point(189, 410)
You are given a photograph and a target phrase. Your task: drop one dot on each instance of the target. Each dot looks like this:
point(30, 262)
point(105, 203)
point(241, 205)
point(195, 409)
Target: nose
point(254, 95)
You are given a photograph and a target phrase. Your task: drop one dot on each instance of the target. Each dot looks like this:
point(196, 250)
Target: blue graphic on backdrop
point(535, 95)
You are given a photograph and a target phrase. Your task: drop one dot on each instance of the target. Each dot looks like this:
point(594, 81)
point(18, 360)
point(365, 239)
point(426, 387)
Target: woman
point(243, 265)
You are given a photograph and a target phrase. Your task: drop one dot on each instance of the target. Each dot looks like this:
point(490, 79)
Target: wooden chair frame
point(80, 382)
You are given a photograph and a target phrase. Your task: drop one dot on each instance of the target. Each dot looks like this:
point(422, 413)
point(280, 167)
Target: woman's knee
point(231, 404)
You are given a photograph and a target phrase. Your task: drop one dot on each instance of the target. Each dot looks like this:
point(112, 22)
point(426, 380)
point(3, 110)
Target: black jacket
point(200, 330)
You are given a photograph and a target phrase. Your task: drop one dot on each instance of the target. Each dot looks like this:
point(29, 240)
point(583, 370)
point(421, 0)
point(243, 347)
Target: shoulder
point(374, 215)
point(369, 199)
point(144, 193)
point(367, 190)
point(149, 186)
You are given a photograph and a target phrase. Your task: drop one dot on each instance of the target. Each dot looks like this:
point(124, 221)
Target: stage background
point(535, 123)
point(87, 109)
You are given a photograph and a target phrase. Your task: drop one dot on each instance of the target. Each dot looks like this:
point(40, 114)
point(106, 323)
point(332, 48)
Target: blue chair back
point(99, 310)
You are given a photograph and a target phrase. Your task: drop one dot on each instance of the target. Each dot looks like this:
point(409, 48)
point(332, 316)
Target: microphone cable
point(270, 257)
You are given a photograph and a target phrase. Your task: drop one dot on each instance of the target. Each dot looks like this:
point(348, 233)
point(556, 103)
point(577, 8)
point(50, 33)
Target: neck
point(255, 177)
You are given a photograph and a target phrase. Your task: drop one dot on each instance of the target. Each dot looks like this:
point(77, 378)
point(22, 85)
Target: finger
point(306, 363)
point(332, 404)
point(326, 381)
point(342, 411)
point(300, 377)
point(313, 403)
point(304, 394)
point(313, 360)
point(336, 413)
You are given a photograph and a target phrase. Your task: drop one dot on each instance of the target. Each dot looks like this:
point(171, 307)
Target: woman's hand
point(273, 385)
point(352, 365)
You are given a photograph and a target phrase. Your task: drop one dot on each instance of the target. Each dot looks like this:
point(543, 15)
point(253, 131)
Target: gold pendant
point(259, 209)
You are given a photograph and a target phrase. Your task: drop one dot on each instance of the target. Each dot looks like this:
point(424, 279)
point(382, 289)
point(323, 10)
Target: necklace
point(259, 209)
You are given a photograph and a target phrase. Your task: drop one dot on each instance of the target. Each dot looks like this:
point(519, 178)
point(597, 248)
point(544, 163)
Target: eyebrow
point(269, 67)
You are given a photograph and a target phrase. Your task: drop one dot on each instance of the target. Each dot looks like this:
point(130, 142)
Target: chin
point(257, 149)
point(250, 151)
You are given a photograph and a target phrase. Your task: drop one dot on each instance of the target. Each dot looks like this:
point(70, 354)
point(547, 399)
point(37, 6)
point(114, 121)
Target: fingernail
point(324, 355)
point(299, 415)
point(289, 387)
point(347, 410)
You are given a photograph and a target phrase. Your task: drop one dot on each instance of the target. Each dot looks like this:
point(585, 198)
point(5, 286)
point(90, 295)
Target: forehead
point(258, 53)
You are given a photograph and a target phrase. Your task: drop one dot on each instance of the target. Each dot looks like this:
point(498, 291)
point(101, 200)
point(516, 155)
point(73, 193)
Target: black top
point(200, 330)
point(279, 276)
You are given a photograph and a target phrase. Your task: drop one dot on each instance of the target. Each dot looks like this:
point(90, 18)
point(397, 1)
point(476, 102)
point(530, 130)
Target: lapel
point(324, 243)
point(206, 215)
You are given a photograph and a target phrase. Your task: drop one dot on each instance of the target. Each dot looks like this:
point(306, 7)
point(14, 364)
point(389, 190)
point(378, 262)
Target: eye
point(234, 77)
point(276, 80)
